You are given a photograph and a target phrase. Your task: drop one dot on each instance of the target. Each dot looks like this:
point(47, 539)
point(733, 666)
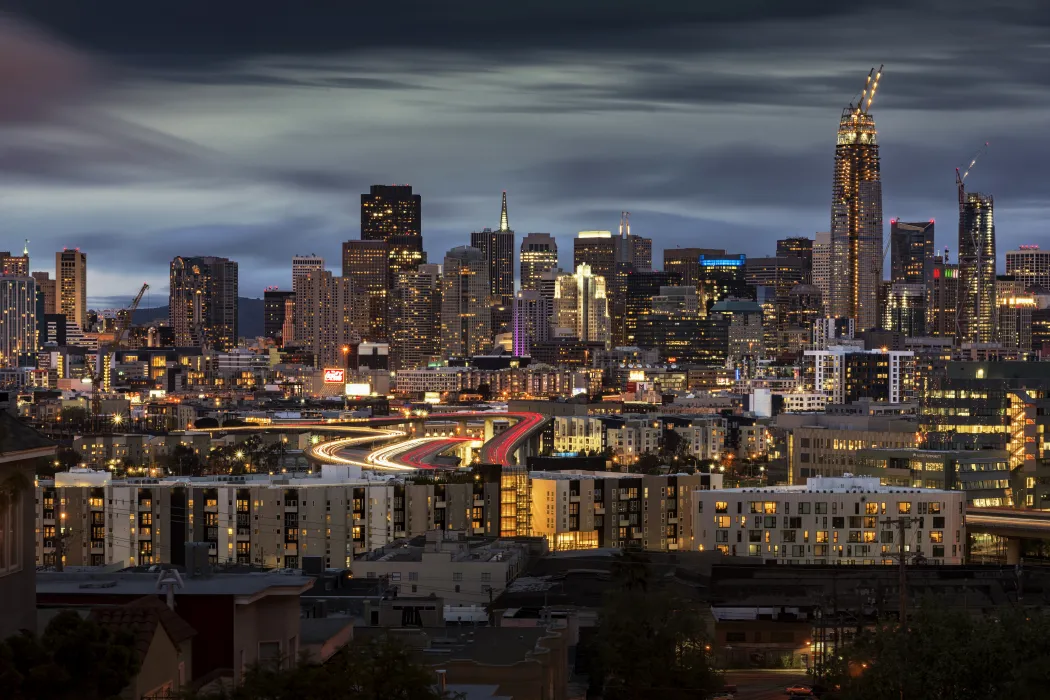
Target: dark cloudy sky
point(142, 130)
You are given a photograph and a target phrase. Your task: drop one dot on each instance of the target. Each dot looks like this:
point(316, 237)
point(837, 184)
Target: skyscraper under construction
point(976, 262)
point(856, 214)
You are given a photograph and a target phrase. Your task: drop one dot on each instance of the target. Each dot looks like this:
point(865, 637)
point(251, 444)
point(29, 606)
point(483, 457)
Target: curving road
point(421, 457)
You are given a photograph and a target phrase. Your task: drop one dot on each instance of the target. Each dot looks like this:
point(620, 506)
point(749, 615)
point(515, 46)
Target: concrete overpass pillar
point(488, 429)
point(1013, 551)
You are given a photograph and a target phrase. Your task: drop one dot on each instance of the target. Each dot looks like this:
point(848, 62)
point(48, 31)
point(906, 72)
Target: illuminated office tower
point(976, 268)
point(15, 265)
point(581, 306)
point(302, 265)
point(276, 303)
point(202, 302)
point(465, 317)
point(71, 285)
point(798, 247)
point(530, 321)
point(498, 249)
point(47, 289)
point(822, 266)
point(1014, 311)
point(392, 213)
point(856, 215)
point(18, 331)
point(335, 312)
point(905, 311)
point(365, 263)
point(686, 262)
point(642, 286)
point(1029, 266)
point(942, 314)
point(911, 252)
point(723, 277)
point(416, 318)
point(539, 253)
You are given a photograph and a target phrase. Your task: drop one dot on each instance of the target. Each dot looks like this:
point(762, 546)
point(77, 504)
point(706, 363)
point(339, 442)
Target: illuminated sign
point(358, 389)
point(721, 262)
point(334, 376)
point(636, 375)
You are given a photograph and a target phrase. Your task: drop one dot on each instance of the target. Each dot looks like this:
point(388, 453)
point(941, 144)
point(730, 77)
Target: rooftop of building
point(16, 437)
point(981, 456)
point(833, 484)
point(494, 646)
point(138, 583)
point(457, 544)
point(999, 370)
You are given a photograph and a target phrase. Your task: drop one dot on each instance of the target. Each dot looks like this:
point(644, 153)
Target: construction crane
point(97, 376)
point(868, 93)
point(960, 180)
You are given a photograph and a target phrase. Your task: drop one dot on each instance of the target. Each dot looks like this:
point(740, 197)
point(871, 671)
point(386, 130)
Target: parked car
point(799, 691)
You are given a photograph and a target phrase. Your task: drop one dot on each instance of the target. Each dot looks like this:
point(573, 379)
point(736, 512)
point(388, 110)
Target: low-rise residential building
point(578, 434)
point(705, 438)
point(832, 520)
point(449, 565)
point(634, 438)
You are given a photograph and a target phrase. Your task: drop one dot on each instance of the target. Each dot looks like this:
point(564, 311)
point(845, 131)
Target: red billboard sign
point(334, 376)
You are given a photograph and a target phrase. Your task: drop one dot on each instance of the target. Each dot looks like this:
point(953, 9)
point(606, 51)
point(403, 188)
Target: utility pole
point(901, 524)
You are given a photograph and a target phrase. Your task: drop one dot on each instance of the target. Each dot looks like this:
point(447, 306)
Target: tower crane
point(960, 180)
point(98, 375)
point(960, 184)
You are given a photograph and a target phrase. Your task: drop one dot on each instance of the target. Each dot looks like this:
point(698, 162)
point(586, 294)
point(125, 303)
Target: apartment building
point(831, 520)
point(587, 510)
point(513, 383)
point(705, 438)
point(449, 565)
point(633, 438)
point(87, 520)
point(577, 434)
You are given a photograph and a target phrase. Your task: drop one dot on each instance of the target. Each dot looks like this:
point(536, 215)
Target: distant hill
point(249, 316)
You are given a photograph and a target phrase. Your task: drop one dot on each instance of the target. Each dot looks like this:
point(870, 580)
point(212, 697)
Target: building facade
point(393, 214)
point(581, 306)
point(71, 285)
point(202, 302)
point(276, 303)
point(18, 321)
point(539, 253)
point(335, 314)
point(531, 321)
point(1029, 266)
point(465, 312)
point(832, 520)
point(856, 220)
point(976, 268)
point(416, 318)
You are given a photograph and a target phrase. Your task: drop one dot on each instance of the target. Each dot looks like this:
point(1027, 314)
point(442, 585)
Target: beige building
point(826, 445)
point(448, 565)
point(71, 286)
point(578, 434)
point(831, 520)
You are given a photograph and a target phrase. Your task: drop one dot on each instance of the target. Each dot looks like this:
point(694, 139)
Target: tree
point(376, 669)
point(948, 655)
point(206, 422)
point(74, 659)
point(68, 458)
point(672, 442)
point(74, 416)
point(649, 644)
point(184, 461)
point(649, 463)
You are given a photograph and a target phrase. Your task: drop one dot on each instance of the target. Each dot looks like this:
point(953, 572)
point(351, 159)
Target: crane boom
point(124, 322)
point(960, 180)
point(874, 87)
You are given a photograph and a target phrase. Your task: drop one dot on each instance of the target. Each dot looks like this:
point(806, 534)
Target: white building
point(845, 374)
point(831, 520)
point(1029, 266)
point(704, 439)
point(578, 433)
point(581, 305)
point(636, 437)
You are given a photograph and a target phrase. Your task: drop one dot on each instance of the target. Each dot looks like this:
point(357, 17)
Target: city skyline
point(688, 146)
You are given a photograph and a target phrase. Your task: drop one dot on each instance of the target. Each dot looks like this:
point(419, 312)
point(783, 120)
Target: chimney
point(442, 680)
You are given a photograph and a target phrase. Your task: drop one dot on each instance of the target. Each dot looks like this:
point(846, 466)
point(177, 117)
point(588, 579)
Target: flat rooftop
point(140, 584)
point(831, 484)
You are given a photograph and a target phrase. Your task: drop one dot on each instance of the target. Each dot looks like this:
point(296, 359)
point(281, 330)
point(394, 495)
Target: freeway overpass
point(1012, 524)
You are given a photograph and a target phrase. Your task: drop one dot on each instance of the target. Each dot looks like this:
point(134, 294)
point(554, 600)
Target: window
point(937, 536)
point(838, 523)
point(721, 535)
point(413, 575)
point(457, 576)
point(871, 508)
point(486, 576)
point(269, 653)
point(822, 535)
point(904, 507)
point(395, 576)
point(803, 508)
point(723, 521)
point(754, 535)
point(754, 550)
point(821, 508)
point(721, 507)
point(934, 508)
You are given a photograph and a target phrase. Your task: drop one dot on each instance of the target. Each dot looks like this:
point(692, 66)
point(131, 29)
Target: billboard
point(358, 389)
point(334, 376)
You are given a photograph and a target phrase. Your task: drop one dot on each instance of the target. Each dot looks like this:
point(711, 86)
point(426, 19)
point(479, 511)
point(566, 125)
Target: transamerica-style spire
point(504, 223)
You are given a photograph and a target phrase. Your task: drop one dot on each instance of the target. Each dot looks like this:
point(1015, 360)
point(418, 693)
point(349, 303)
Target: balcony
point(145, 533)
point(211, 534)
point(244, 532)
